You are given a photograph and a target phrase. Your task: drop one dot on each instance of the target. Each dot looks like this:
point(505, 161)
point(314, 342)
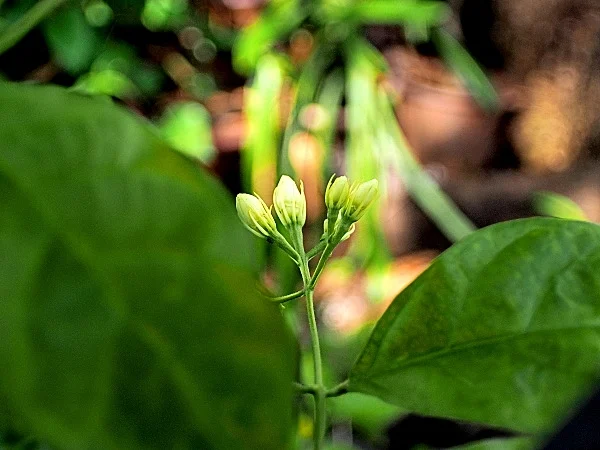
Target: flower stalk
point(346, 204)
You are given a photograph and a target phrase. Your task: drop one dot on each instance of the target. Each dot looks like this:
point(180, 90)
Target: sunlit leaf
point(106, 82)
point(368, 414)
point(413, 12)
point(186, 126)
point(277, 21)
point(556, 205)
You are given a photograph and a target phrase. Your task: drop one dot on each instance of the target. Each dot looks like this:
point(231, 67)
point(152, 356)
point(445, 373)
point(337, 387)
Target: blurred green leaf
point(413, 12)
point(338, 446)
point(119, 61)
point(127, 12)
point(164, 14)
point(502, 329)
point(98, 13)
point(556, 205)
point(500, 444)
point(466, 68)
point(276, 21)
point(329, 98)
point(73, 42)
point(312, 75)
point(129, 317)
point(186, 126)
point(261, 110)
point(363, 150)
point(105, 82)
point(24, 17)
point(368, 414)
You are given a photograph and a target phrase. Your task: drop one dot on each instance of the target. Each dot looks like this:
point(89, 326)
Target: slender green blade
point(277, 21)
point(467, 69)
point(412, 12)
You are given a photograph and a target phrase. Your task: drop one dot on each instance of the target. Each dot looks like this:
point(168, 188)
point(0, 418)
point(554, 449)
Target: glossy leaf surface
point(128, 313)
point(502, 329)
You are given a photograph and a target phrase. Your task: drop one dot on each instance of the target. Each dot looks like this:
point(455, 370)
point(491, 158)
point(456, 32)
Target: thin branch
point(305, 388)
point(338, 390)
point(288, 297)
point(316, 249)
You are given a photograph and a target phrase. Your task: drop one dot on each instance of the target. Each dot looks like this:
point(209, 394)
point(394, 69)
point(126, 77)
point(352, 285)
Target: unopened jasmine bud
point(360, 197)
point(289, 202)
point(336, 194)
point(256, 215)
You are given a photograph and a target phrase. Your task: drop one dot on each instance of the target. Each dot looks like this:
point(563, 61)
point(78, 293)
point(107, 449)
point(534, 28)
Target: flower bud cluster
point(346, 204)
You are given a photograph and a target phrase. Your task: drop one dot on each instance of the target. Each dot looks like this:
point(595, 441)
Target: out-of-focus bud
point(289, 202)
point(360, 197)
point(336, 194)
point(256, 216)
point(345, 236)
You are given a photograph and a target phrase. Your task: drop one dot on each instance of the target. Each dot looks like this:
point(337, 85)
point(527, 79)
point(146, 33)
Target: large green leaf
point(503, 328)
point(128, 314)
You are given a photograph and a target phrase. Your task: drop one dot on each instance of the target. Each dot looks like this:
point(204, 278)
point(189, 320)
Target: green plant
point(129, 314)
point(460, 340)
point(343, 65)
point(345, 206)
point(129, 317)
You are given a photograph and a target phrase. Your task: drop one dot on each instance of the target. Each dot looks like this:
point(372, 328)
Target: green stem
point(18, 29)
point(319, 393)
point(331, 243)
point(338, 390)
point(305, 388)
point(287, 298)
point(316, 249)
point(321, 265)
point(282, 242)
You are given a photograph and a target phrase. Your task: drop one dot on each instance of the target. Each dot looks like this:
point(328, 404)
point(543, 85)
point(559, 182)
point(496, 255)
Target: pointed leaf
point(502, 329)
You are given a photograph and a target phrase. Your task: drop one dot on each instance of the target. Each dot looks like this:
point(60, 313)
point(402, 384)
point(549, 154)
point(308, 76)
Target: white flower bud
point(336, 194)
point(289, 202)
point(256, 215)
point(360, 197)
